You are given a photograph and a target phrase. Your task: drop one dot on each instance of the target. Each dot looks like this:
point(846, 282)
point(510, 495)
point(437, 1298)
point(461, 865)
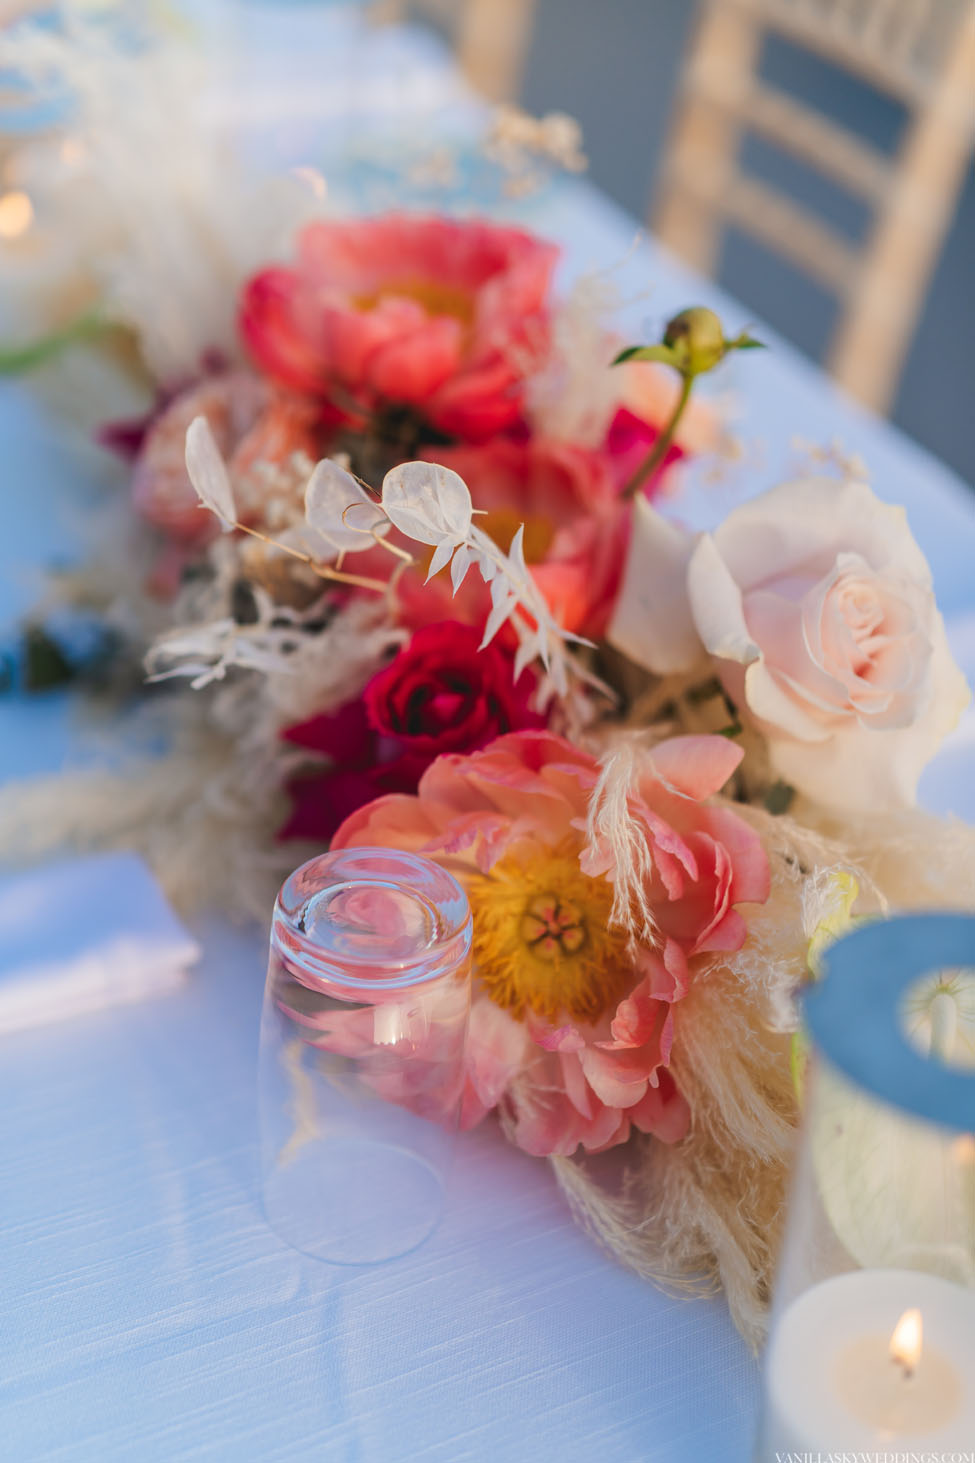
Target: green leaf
point(18, 359)
point(661, 353)
point(746, 343)
point(778, 799)
point(45, 664)
point(735, 729)
point(798, 1058)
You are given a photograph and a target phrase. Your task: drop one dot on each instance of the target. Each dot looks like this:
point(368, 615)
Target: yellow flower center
point(501, 525)
point(431, 295)
point(542, 939)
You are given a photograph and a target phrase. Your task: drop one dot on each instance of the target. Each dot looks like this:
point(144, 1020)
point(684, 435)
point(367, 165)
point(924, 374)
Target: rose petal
point(716, 605)
point(652, 622)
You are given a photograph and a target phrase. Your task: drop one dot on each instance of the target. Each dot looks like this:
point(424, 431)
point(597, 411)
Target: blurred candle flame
point(963, 1148)
point(16, 214)
point(906, 1341)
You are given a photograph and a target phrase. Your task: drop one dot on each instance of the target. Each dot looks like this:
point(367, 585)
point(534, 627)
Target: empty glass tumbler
point(362, 1052)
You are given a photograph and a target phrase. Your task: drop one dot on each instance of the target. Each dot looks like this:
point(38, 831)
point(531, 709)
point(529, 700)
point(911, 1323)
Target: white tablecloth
point(148, 1312)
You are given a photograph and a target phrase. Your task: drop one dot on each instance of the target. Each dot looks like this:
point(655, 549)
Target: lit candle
point(898, 1193)
point(870, 1359)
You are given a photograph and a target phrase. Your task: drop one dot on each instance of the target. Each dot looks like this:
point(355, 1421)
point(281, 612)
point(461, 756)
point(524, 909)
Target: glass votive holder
point(871, 1347)
point(362, 1052)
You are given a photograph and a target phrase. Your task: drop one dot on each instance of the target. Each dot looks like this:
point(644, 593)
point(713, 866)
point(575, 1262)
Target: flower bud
point(696, 337)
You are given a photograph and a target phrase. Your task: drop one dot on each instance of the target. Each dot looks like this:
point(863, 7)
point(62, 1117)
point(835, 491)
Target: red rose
point(440, 694)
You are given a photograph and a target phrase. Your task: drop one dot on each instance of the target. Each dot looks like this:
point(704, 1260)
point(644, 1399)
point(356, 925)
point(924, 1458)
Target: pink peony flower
point(436, 314)
point(572, 1031)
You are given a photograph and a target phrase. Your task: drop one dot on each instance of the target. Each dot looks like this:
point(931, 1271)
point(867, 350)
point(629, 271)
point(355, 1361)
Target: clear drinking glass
point(362, 1048)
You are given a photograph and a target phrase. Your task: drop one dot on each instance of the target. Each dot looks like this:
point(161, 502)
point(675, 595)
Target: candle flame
point(906, 1341)
point(963, 1148)
point(16, 214)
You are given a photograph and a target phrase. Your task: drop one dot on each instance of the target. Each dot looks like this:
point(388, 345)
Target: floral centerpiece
point(403, 568)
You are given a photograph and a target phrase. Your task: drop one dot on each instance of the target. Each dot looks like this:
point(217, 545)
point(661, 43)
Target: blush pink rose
point(571, 1030)
point(816, 607)
point(437, 314)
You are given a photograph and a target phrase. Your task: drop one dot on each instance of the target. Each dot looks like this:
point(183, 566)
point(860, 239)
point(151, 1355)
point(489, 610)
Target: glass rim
point(436, 960)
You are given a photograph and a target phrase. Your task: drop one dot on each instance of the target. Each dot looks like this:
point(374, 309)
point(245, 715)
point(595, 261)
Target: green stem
point(660, 448)
point(18, 359)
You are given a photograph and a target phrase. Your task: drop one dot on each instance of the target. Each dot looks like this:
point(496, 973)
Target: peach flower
point(435, 314)
point(816, 606)
point(571, 1030)
point(250, 424)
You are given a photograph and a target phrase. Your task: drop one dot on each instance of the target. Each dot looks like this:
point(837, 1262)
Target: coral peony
point(439, 694)
point(576, 527)
point(442, 316)
point(572, 1026)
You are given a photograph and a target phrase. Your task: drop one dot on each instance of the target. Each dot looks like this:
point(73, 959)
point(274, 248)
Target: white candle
point(832, 1385)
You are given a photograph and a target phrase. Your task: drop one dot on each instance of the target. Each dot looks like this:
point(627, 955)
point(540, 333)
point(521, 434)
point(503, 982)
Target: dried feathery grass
point(203, 830)
point(157, 209)
point(206, 813)
point(708, 1211)
point(917, 859)
point(616, 839)
point(570, 399)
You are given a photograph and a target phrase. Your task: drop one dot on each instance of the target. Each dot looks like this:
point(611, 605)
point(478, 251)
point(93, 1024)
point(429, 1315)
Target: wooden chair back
point(922, 53)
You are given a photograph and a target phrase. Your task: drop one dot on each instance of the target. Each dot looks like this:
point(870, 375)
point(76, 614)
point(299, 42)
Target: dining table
point(147, 1310)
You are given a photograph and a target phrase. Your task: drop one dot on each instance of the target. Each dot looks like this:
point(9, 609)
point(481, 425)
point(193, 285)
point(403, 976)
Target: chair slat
point(791, 231)
point(837, 45)
point(809, 135)
point(922, 52)
point(874, 335)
